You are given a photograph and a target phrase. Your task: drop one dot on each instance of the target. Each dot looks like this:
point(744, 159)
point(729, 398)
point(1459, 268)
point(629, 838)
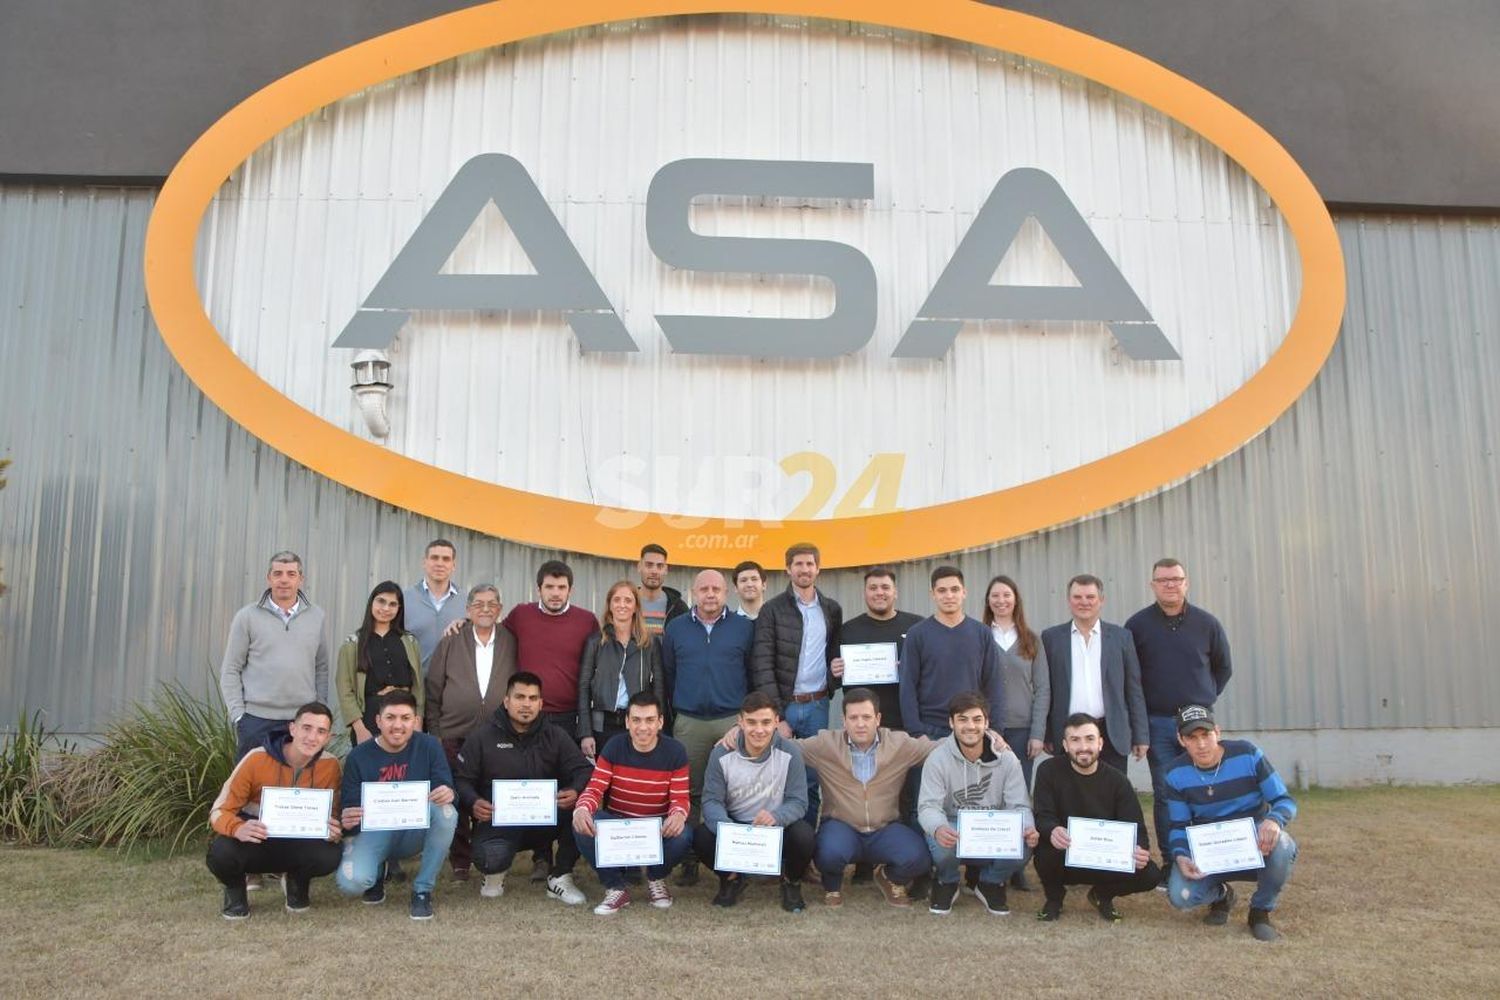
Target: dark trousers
point(1108, 754)
point(1056, 876)
point(496, 847)
point(1017, 738)
point(797, 844)
point(460, 854)
point(603, 736)
point(567, 720)
point(231, 860)
point(250, 731)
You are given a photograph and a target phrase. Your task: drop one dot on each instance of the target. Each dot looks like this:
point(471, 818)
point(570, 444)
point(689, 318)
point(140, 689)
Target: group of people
point(438, 687)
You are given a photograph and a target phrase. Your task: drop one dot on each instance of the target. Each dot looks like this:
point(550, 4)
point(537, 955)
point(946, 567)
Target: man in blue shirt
point(432, 604)
point(1217, 780)
point(944, 656)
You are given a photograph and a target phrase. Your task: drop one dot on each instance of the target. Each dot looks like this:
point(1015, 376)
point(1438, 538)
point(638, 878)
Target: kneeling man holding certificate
point(973, 807)
point(754, 798)
point(1228, 810)
point(274, 814)
point(398, 802)
point(520, 777)
point(1091, 827)
point(634, 811)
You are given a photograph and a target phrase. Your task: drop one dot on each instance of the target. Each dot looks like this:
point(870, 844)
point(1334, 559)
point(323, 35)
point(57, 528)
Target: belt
point(617, 716)
point(803, 699)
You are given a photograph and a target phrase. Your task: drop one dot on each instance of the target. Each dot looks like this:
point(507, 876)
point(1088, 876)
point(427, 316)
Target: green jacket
point(351, 686)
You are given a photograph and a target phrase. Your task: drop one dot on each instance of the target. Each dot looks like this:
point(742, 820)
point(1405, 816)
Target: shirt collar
point(452, 587)
point(873, 746)
point(723, 613)
point(554, 614)
point(1096, 630)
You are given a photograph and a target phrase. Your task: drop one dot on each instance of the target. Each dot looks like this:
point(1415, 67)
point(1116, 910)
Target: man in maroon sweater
point(550, 635)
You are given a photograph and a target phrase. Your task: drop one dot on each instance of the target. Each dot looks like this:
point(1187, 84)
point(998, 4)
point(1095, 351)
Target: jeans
point(995, 870)
point(460, 854)
point(894, 845)
point(1186, 893)
point(808, 718)
point(230, 860)
point(1163, 748)
point(365, 855)
point(673, 850)
point(1016, 738)
point(250, 731)
point(495, 848)
point(797, 845)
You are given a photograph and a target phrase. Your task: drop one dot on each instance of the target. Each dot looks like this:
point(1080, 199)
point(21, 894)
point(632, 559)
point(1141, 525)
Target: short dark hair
point(398, 698)
point(523, 677)
point(314, 708)
point(804, 549)
point(653, 547)
point(967, 701)
point(554, 567)
point(1078, 719)
point(1165, 562)
point(758, 701)
point(875, 571)
point(441, 543)
point(1086, 580)
point(760, 570)
point(645, 699)
point(943, 572)
point(855, 696)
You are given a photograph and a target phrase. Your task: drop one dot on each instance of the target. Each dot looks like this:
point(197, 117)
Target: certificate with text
point(991, 833)
point(869, 663)
point(301, 813)
point(1102, 844)
point(749, 850)
point(394, 805)
point(1227, 846)
point(524, 802)
point(620, 843)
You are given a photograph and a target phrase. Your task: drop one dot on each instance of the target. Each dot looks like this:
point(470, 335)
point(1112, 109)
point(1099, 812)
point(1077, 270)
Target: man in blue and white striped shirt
point(1216, 780)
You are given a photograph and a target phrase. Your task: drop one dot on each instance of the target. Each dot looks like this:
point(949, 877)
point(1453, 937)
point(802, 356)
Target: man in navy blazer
point(1103, 679)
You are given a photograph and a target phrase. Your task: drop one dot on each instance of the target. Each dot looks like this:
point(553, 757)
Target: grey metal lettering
point(964, 292)
point(845, 330)
point(562, 280)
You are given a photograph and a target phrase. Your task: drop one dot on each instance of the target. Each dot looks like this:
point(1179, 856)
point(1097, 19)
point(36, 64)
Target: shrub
point(31, 763)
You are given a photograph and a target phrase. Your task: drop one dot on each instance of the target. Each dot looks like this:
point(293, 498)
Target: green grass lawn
point(1391, 897)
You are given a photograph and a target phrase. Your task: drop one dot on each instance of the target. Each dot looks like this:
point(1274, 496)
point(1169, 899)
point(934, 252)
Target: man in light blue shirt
point(432, 603)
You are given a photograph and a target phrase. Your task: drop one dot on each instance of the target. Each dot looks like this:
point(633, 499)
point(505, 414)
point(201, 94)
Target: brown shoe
point(833, 898)
point(893, 893)
point(460, 874)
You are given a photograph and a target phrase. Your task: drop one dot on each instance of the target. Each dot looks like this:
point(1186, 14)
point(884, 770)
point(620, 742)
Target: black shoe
point(375, 895)
point(791, 897)
point(295, 890)
point(919, 888)
point(1051, 910)
point(1105, 905)
point(971, 878)
point(1260, 925)
point(236, 903)
point(421, 906)
point(1018, 881)
point(688, 873)
point(730, 890)
point(1218, 911)
point(992, 895)
point(864, 874)
point(943, 895)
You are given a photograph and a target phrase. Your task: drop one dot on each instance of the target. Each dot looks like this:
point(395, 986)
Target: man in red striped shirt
point(640, 774)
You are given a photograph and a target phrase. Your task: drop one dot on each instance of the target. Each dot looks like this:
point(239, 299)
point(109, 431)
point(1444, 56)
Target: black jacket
point(675, 604)
point(599, 677)
point(496, 750)
point(778, 644)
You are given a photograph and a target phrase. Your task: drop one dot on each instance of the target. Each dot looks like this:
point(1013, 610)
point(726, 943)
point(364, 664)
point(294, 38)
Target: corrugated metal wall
point(1342, 548)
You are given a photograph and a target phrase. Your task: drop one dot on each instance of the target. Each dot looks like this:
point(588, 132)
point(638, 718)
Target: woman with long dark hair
point(619, 660)
point(380, 657)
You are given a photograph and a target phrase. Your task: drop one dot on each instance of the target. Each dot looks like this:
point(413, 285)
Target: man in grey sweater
point(964, 773)
point(276, 658)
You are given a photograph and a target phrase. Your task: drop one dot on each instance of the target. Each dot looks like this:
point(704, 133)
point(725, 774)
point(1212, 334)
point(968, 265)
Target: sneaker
point(615, 900)
point(1105, 905)
point(295, 891)
point(1051, 910)
point(236, 905)
point(252, 883)
point(661, 897)
point(791, 897)
point(688, 874)
point(1260, 925)
point(421, 906)
point(992, 895)
point(461, 874)
point(375, 895)
point(919, 888)
point(493, 886)
point(943, 896)
point(1218, 911)
point(562, 889)
point(833, 898)
point(894, 894)
point(730, 890)
point(864, 874)
point(541, 864)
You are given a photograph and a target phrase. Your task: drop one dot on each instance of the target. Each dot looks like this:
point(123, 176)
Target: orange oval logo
point(857, 532)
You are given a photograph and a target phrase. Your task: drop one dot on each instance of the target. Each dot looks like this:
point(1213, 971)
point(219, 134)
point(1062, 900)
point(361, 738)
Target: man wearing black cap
point(1217, 780)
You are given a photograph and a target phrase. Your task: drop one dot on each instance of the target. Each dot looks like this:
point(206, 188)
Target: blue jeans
point(894, 845)
point(250, 731)
point(1016, 739)
point(673, 850)
point(1163, 748)
point(365, 854)
point(995, 870)
point(1186, 893)
point(808, 719)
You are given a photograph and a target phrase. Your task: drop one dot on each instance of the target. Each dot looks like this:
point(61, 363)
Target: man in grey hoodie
point(276, 659)
point(963, 773)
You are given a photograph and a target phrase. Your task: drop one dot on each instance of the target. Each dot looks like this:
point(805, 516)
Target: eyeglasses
point(1178, 580)
point(486, 605)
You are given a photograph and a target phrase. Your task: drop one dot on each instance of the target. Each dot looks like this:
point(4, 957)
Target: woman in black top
point(378, 658)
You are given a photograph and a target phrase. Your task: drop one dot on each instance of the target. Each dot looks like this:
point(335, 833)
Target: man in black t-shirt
point(881, 623)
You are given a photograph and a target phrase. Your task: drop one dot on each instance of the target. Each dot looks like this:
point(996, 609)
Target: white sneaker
point(494, 886)
point(562, 889)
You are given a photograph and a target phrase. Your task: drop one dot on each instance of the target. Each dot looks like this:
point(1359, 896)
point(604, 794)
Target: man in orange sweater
point(285, 759)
